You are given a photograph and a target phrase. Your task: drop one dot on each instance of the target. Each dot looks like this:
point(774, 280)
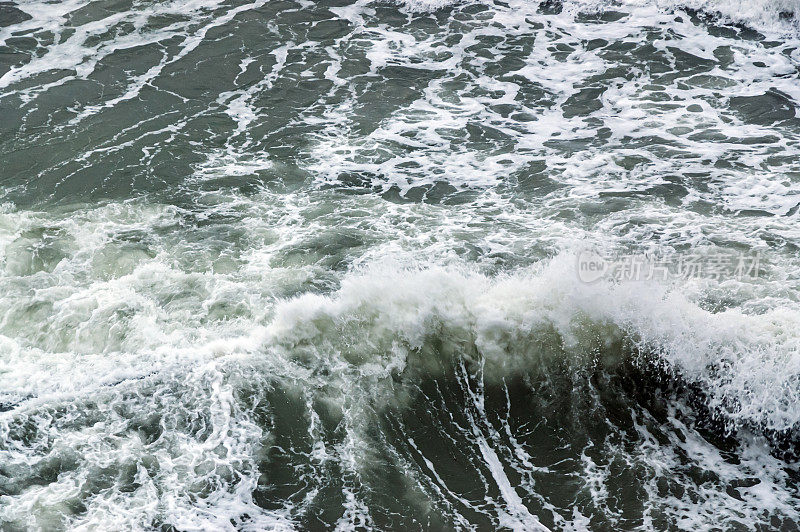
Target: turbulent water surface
point(290, 264)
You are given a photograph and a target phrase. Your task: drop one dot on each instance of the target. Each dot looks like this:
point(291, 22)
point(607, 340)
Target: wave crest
point(391, 321)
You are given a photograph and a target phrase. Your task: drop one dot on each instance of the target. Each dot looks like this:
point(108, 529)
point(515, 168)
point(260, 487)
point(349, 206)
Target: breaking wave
point(311, 265)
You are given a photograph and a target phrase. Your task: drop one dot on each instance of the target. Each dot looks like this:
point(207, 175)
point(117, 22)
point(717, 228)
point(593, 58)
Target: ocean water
point(316, 265)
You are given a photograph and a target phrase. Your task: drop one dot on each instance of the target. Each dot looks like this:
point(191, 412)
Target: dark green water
point(290, 265)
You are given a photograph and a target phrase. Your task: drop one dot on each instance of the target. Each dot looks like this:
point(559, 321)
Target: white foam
point(747, 364)
point(764, 15)
point(134, 305)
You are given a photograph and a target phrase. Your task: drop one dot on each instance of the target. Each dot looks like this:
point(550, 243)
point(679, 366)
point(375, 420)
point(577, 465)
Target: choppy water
point(311, 265)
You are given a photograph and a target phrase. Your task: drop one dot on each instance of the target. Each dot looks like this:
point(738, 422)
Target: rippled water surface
point(307, 265)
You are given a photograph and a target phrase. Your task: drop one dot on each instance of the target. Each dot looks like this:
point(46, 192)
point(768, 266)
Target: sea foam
point(389, 320)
